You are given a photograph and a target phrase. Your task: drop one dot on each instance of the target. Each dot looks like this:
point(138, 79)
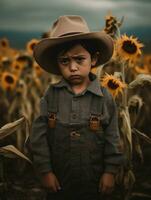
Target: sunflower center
point(4, 44)
point(17, 67)
point(129, 47)
point(113, 85)
point(21, 59)
point(32, 46)
point(9, 79)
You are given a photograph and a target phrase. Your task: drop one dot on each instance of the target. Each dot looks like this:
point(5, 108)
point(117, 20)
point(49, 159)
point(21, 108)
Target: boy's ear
point(95, 58)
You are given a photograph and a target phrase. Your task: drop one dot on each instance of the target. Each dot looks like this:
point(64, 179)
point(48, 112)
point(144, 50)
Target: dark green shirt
point(74, 109)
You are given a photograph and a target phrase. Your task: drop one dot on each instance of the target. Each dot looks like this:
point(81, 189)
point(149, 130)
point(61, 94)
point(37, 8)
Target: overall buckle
point(52, 120)
point(94, 122)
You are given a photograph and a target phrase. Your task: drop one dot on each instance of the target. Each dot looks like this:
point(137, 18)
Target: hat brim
point(44, 50)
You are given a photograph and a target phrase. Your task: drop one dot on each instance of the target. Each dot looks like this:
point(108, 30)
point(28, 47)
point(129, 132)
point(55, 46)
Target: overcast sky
point(38, 15)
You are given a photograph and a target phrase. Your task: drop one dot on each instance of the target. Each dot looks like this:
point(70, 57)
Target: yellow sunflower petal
point(30, 45)
point(8, 81)
point(113, 84)
point(128, 48)
point(17, 67)
point(4, 43)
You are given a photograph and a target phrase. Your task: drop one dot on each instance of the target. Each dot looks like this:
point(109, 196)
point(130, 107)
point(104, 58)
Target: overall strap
point(52, 107)
point(52, 100)
point(96, 112)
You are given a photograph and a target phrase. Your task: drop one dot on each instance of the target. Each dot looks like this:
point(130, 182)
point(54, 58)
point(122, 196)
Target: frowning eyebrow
point(74, 56)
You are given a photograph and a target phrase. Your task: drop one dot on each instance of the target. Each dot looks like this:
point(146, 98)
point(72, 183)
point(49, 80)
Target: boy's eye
point(63, 61)
point(80, 59)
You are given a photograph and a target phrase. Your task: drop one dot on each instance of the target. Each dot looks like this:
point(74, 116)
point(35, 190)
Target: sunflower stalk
point(124, 96)
point(117, 31)
point(126, 133)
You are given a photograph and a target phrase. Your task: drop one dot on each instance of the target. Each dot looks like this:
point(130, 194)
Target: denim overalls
point(76, 152)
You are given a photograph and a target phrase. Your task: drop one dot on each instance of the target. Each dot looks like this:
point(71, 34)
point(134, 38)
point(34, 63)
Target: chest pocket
point(99, 115)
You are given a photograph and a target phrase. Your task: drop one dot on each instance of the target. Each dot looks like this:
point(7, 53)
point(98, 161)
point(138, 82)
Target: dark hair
point(89, 45)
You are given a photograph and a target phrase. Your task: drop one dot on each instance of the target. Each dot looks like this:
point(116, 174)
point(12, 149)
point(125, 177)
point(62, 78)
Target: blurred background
point(22, 83)
point(23, 20)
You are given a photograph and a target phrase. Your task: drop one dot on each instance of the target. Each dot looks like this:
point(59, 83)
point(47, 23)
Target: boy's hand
point(51, 182)
point(106, 184)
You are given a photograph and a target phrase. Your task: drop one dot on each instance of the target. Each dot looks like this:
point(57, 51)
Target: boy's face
point(75, 65)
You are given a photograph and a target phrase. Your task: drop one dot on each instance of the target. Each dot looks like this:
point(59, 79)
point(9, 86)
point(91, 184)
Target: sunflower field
point(22, 83)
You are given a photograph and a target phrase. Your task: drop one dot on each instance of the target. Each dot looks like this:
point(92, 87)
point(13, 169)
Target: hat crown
point(69, 25)
point(69, 28)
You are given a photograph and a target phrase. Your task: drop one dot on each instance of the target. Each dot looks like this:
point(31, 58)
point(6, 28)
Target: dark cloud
point(38, 15)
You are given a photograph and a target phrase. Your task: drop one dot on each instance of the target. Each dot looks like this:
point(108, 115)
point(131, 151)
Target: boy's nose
point(73, 66)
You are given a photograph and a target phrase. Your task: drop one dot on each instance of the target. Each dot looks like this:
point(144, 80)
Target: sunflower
point(112, 25)
point(30, 45)
point(109, 19)
point(128, 48)
point(8, 81)
point(5, 62)
point(17, 67)
point(4, 43)
point(113, 84)
point(24, 59)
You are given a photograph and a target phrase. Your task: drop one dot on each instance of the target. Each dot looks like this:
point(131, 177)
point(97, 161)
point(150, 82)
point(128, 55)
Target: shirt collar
point(94, 87)
point(62, 83)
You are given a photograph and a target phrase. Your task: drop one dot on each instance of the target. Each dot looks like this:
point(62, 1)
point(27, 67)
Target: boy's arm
point(38, 140)
point(113, 154)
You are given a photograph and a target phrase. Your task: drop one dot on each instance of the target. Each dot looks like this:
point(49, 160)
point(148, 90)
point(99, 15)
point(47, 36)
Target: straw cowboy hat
point(66, 29)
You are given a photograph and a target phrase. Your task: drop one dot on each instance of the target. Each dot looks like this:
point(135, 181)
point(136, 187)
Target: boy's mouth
point(72, 77)
point(75, 79)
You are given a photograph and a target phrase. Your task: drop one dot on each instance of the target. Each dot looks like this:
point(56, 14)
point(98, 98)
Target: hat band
point(72, 33)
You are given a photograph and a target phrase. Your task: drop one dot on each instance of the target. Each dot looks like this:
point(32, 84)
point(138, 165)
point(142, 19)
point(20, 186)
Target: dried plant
point(128, 52)
point(22, 83)
point(140, 81)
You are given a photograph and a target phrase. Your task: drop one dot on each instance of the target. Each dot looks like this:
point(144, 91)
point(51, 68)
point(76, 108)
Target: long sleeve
point(113, 150)
point(38, 140)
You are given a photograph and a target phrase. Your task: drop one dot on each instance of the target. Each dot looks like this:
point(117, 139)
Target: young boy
point(75, 140)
